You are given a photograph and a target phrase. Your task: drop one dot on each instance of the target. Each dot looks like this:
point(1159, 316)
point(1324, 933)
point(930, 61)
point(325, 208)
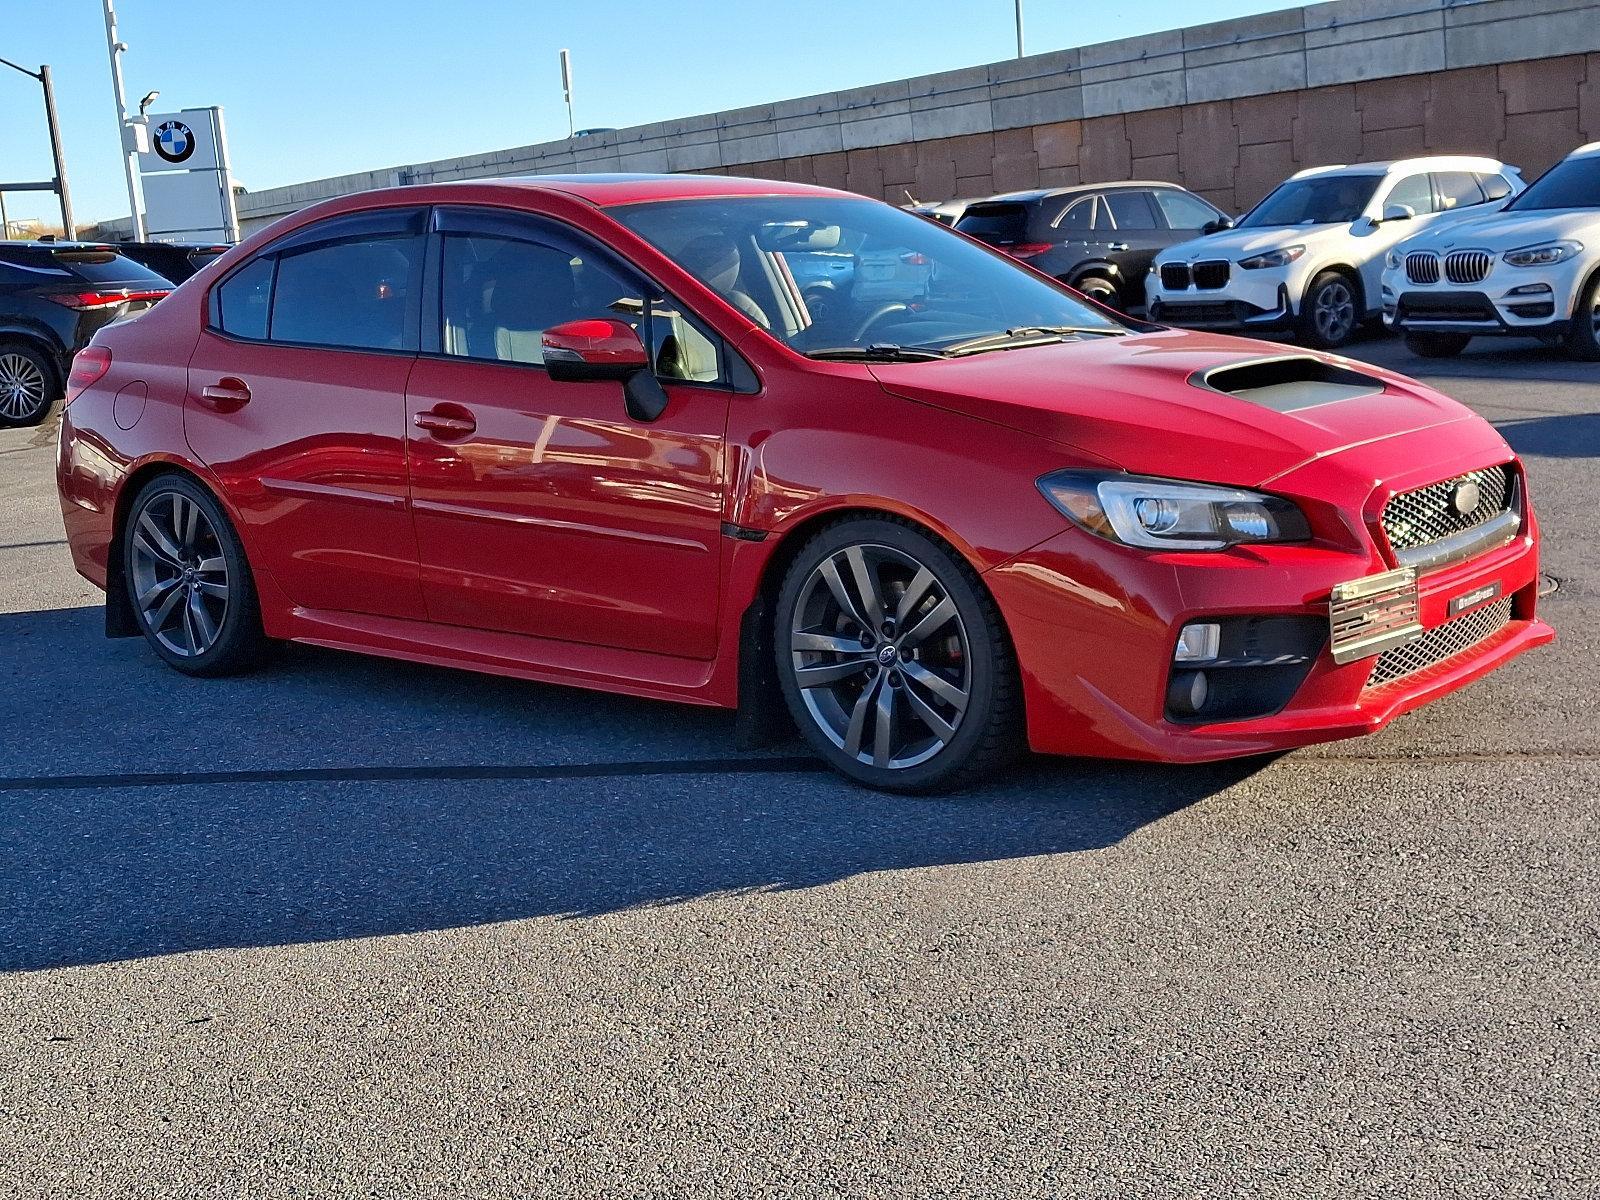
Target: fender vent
point(1287, 384)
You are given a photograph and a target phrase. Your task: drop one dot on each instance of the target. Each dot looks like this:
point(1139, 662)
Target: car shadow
point(1572, 435)
point(285, 839)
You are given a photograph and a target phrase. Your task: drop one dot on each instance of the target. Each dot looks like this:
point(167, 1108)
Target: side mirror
point(1216, 226)
point(600, 348)
point(1398, 212)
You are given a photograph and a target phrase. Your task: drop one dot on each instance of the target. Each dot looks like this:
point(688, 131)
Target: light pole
point(566, 90)
point(129, 156)
point(58, 160)
point(1019, 28)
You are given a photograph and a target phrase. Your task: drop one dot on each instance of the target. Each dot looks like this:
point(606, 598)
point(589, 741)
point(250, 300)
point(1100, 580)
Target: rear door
point(297, 402)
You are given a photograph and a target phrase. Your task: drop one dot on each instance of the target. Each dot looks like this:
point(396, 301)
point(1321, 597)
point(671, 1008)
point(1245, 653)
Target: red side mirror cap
point(593, 348)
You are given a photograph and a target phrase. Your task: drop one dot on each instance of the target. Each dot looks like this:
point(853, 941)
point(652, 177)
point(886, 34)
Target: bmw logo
point(1465, 497)
point(174, 141)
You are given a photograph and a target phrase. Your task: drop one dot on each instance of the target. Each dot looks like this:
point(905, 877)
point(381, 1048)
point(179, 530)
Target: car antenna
point(910, 197)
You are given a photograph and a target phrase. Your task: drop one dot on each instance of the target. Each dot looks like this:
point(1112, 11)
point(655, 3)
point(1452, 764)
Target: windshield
point(1324, 200)
point(837, 275)
point(1572, 183)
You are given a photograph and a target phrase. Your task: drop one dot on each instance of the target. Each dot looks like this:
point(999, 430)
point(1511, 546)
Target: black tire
point(971, 651)
point(1583, 334)
point(1436, 345)
point(30, 385)
point(1329, 292)
point(158, 562)
point(1100, 289)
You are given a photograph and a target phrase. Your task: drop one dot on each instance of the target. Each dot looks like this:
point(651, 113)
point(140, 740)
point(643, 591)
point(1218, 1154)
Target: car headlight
point(1272, 258)
point(1392, 260)
point(1543, 255)
point(1170, 514)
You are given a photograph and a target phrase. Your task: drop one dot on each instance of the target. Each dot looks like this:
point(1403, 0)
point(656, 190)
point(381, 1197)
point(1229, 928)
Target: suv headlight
point(1170, 514)
point(1543, 255)
point(1272, 258)
point(1392, 260)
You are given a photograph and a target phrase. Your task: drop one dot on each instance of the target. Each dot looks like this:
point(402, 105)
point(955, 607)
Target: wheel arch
point(42, 342)
point(120, 619)
point(1352, 276)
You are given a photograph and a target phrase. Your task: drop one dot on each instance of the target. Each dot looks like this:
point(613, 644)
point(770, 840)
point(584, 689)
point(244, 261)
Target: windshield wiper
point(879, 352)
point(1027, 335)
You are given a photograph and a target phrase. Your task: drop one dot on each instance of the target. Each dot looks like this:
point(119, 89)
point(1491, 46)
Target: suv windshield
point(909, 285)
point(1572, 183)
point(1324, 200)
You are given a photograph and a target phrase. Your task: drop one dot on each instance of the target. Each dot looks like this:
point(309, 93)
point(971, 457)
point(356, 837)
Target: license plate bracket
point(1370, 615)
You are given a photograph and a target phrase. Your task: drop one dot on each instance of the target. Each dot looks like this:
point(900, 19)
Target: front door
point(297, 403)
point(541, 507)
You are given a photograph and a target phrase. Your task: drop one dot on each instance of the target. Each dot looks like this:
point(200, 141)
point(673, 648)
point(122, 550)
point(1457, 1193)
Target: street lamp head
point(149, 99)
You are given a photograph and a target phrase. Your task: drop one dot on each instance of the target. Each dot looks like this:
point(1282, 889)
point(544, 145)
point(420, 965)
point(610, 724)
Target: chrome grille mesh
point(1441, 643)
point(1425, 515)
point(1422, 267)
point(1466, 266)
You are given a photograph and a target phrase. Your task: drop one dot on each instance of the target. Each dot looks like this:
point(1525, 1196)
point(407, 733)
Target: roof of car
point(61, 244)
point(1433, 162)
point(604, 188)
point(1073, 189)
point(1588, 150)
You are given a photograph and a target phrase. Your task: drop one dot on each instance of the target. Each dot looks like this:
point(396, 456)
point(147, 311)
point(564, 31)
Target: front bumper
point(1245, 303)
point(1095, 626)
point(1528, 301)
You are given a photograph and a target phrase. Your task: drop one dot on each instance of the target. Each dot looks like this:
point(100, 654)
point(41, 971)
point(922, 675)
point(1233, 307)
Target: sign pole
point(63, 192)
point(115, 49)
point(566, 89)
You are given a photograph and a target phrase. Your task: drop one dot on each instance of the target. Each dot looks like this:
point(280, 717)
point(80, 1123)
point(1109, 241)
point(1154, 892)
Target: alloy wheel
point(23, 387)
point(180, 574)
point(1335, 311)
point(880, 656)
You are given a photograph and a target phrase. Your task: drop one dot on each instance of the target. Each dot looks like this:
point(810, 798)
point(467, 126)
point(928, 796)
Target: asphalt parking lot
point(348, 926)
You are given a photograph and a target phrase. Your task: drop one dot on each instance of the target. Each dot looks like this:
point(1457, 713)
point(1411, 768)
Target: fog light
point(1198, 643)
point(1530, 289)
point(1188, 692)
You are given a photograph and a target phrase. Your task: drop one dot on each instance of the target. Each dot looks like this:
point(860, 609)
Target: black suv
point(1099, 237)
point(54, 296)
point(174, 260)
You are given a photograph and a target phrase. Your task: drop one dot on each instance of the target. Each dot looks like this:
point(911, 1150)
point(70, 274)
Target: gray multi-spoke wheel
point(27, 385)
point(187, 579)
point(1583, 334)
point(893, 659)
point(1330, 312)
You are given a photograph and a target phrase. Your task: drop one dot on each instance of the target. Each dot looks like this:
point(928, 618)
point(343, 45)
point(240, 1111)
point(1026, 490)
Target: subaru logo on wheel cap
point(887, 654)
point(1465, 497)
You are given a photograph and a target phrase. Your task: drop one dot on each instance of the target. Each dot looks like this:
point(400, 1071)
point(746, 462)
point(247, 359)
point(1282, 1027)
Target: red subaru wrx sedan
point(588, 430)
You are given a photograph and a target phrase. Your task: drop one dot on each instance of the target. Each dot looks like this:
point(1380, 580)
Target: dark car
point(54, 297)
point(174, 260)
point(1100, 238)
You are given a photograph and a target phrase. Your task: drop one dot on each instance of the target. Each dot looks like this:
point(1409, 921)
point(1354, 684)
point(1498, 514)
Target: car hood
point(1509, 230)
point(1242, 243)
point(1135, 403)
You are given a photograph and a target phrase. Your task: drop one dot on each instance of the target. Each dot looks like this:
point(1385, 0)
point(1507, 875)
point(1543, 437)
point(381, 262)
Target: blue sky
point(322, 87)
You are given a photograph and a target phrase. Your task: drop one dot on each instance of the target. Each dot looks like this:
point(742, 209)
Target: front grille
point(1211, 275)
point(1466, 266)
point(1422, 267)
point(1441, 643)
point(1175, 276)
point(1425, 515)
point(1471, 308)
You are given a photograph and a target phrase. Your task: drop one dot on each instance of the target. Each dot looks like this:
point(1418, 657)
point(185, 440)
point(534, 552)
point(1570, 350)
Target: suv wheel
point(893, 659)
point(1436, 345)
point(1101, 290)
point(188, 580)
point(1583, 335)
point(1328, 313)
point(28, 385)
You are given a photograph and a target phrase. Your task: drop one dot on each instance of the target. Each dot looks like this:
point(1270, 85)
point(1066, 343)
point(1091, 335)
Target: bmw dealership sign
point(183, 172)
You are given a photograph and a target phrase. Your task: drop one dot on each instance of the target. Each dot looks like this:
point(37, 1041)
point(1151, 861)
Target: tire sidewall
point(983, 648)
point(1308, 311)
point(1583, 340)
point(52, 383)
point(240, 635)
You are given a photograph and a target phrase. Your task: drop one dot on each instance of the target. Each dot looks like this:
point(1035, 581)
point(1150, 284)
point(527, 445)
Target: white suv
point(1533, 268)
point(1308, 257)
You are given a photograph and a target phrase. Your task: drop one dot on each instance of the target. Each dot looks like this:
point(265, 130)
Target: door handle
point(226, 394)
point(1114, 246)
point(455, 424)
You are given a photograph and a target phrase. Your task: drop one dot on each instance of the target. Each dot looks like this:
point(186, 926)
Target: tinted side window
point(1415, 192)
point(1184, 211)
point(240, 304)
point(1132, 210)
point(1495, 187)
point(351, 293)
point(1079, 218)
point(1458, 189)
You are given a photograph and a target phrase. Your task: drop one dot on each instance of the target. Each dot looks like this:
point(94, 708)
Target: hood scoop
point(1287, 384)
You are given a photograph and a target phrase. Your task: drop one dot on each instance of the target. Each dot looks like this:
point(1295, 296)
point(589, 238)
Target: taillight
point(1026, 249)
point(89, 300)
point(89, 366)
point(913, 258)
